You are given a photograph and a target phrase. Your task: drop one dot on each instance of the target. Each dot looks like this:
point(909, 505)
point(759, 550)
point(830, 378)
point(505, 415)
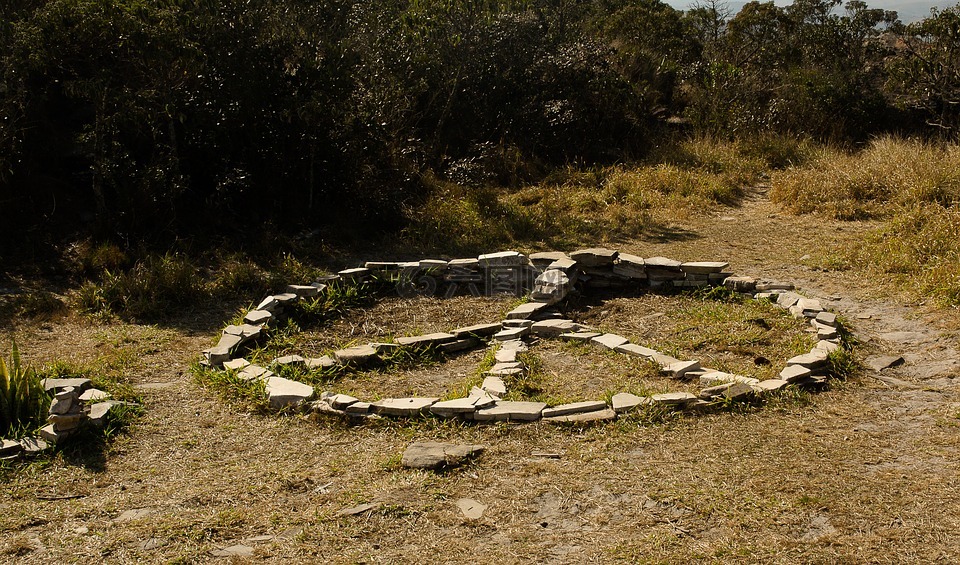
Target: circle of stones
point(547, 279)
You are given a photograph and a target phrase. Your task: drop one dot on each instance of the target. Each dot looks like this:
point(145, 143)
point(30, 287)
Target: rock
point(359, 509)
point(64, 402)
point(770, 385)
point(703, 267)
point(664, 360)
point(567, 265)
point(245, 332)
point(66, 422)
point(414, 406)
point(290, 360)
point(382, 266)
point(794, 373)
point(510, 334)
point(254, 373)
point(810, 307)
point(814, 359)
point(603, 415)
point(517, 323)
point(325, 362)
point(635, 350)
point(33, 445)
point(514, 344)
point(502, 259)
point(716, 377)
point(495, 386)
point(768, 286)
point(358, 408)
point(630, 266)
point(57, 385)
point(134, 514)
point(825, 332)
point(595, 257)
point(10, 448)
point(662, 264)
point(257, 317)
point(827, 318)
point(458, 345)
point(827, 346)
point(479, 330)
point(678, 399)
point(543, 259)
point(550, 287)
point(553, 328)
point(738, 392)
point(425, 341)
point(235, 364)
point(435, 455)
point(341, 401)
point(233, 551)
point(100, 410)
point(269, 304)
point(459, 406)
point(303, 290)
point(50, 434)
point(579, 336)
point(471, 509)
point(505, 410)
point(714, 391)
point(433, 266)
point(880, 362)
point(354, 275)
point(505, 355)
point(357, 355)
point(740, 284)
point(283, 392)
point(526, 310)
point(624, 402)
point(787, 299)
point(610, 341)
point(678, 370)
point(574, 408)
point(504, 371)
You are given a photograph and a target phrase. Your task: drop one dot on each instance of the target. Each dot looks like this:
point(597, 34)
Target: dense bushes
point(167, 117)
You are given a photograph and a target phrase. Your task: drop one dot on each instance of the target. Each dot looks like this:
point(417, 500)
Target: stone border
point(547, 279)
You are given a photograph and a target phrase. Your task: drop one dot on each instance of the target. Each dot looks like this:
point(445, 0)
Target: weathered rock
point(579, 336)
point(510, 334)
point(258, 317)
point(235, 364)
point(354, 275)
point(624, 402)
point(52, 435)
point(595, 257)
point(773, 285)
point(769, 385)
point(66, 422)
point(253, 373)
point(574, 408)
point(238, 550)
point(553, 328)
point(424, 341)
point(494, 385)
point(526, 310)
point(359, 509)
point(463, 406)
point(610, 341)
point(93, 395)
point(543, 259)
point(283, 392)
point(703, 267)
point(433, 266)
point(246, 332)
point(515, 344)
point(713, 391)
point(502, 259)
point(716, 377)
point(436, 455)
point(880, 362)
point(359, 408)
point(341, 401)
point(505, 355)
point(357, 355)
point(290, 360)
point(517, 323)
point(550, 287)
point(602, 415)
point(65, 402)
point(471, 509)
point(414, 406)
point(382, 266)
point(788, 299)
point(827, 318)
point(678, 399)
point(738, 392)
point(828, 346)
point(810, 307)
point(678, 370)
point(457, 345)
point(325, 362)
point(478, 330)
point(635, 350)
point(663, 360)
point(10, 448)
point(794, 373)
point(814, 359)
point(33, 445)
point(662, 264)
point(505, 410)
point(100, 411)
point(504, 371)
point(567, 265)
point(57, 385)
point(630, 266)
point(825, 332)
point(740, 284)
point(303, 290)
point(269, 304)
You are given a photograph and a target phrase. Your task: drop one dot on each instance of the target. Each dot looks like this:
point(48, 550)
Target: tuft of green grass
point(251, 394)
point(23, 402)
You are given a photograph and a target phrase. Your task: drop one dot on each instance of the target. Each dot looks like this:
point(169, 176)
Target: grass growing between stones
point(23, 402)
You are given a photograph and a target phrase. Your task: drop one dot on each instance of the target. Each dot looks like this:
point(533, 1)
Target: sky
point(909, 10)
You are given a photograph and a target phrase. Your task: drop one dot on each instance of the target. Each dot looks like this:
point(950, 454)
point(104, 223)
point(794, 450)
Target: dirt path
point(867, 472)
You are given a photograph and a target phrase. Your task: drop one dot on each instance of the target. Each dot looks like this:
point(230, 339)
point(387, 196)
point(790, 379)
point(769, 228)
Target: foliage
point(23, 402)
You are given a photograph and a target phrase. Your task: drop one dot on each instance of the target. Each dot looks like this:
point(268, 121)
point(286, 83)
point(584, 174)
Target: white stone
point(610, 341)
point(505, 410)
point(413, 406)
point(93, 395)
point(283, 392)
point(636, 350)
point(624, 402)
point(526, 310)
point(574, 408)
point(494, 385)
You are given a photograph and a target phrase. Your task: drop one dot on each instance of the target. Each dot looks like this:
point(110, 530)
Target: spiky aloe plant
point(23, 402)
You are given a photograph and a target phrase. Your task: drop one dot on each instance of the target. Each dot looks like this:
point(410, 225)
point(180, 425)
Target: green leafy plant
point(23, 402)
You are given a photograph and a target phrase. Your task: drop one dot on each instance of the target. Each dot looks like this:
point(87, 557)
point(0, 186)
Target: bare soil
point(867, 472)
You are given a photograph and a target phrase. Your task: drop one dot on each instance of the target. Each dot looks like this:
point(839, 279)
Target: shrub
point(23, 402)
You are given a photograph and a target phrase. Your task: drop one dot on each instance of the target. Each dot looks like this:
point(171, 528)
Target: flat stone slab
point(827, 345)
point(502, 259)
point(457, 345)
point(574, 408)
point(283, 392)
point(9, 447)
point(738, 392)
point(770, 385)
point(256, 317)
point(235, 364)
point(93, 395)
point(460, 406)
point(673, 398)
point(233, 551)
point(56, 385)
point(505, 355)
point(471, 509)
point(827, 318)
point(625, 402)
point(325, 362)
point(526, 310)
point(291, 360)
point(254, 372)
point(341, 401)
point(506, 410)
point(545, 258)
point(610, 341)
point(303, 290)
point(436, 455)
point(358, 355)
point(703, 267)
point(427, 340)
point(794, 373)
point(662, 264)
point(664, 360)
point(678, 370)
point(478, 330)
point(717, 377)
point(810, 307)
point(553, 328)
point(33, 445)
point(413, 406)
point(636, 350)
point(358, 408)
point(510, 334)
point(494, 385)
point(816, 358)
point(579, 336)
point(603, 415)
point(881, 362)
point(354, 274)
point(595, 256)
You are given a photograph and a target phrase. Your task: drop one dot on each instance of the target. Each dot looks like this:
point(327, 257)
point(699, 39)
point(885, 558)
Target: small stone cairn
point(547, 279)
